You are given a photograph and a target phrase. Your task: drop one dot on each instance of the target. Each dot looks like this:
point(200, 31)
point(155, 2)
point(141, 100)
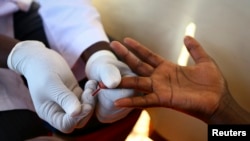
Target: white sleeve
point(71, 26)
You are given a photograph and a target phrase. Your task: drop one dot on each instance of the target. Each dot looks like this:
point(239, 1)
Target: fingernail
point(187, 39)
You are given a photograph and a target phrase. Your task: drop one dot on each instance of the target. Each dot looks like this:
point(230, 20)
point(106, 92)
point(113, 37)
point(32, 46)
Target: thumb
point(195, 50)
point(110, 76)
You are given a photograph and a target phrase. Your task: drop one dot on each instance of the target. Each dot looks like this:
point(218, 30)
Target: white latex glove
point(53, 87)
point(104, 67)
point(87, 98)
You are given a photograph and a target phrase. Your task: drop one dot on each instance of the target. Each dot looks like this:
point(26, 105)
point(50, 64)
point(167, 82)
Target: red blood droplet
point(101, 85)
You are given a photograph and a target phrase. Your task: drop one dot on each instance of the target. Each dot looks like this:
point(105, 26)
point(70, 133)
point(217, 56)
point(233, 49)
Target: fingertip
point(111, 84)
point(77, 110)
point(90, 84)
point(111, 77)
point(126, 39)
point(117, 104)
point(191, 43)
point(130, 41)
point(122, 102)
point(117, 47)
point(188, 40)
point(86, 109)
point(71, 104)
point(191, 40)
point(187, 37)
point(114, 44)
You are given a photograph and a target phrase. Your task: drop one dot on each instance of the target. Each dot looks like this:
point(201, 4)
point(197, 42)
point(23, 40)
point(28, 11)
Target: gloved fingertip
point(111, 82)
point(85, 110)
point(110, 76)
point(91, 84)
point(75, 112)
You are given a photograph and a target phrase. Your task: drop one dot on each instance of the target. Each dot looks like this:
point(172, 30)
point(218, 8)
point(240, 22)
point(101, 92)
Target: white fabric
point(7, 7)
point(54, 90)
point(104, 67)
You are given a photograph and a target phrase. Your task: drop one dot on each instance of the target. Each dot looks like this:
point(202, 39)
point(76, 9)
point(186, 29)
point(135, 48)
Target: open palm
point(195, 90)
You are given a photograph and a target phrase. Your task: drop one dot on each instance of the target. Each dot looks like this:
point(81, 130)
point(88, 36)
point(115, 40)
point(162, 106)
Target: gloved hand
point(87, 98)
point(104, 67)
point(54, 90)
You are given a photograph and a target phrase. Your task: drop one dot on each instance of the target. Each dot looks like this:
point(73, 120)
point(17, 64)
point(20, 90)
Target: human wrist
point(229, 112)
point(6, 44)
point(102, 45)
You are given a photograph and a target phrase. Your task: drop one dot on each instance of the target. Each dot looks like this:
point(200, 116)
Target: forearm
point(6, 44)
point(230, 112)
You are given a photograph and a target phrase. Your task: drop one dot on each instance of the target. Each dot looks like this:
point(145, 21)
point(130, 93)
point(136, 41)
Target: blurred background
point(221, 26)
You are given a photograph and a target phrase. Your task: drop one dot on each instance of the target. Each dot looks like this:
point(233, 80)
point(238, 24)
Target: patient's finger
point(139, 67)
point(195, 49)
point(143, 52)
point(150, 100)
point(143, 84)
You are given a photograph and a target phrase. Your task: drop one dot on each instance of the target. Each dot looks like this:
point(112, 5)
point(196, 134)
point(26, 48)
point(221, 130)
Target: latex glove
point(105, 67)
point(87, 98)
point(53, 87)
